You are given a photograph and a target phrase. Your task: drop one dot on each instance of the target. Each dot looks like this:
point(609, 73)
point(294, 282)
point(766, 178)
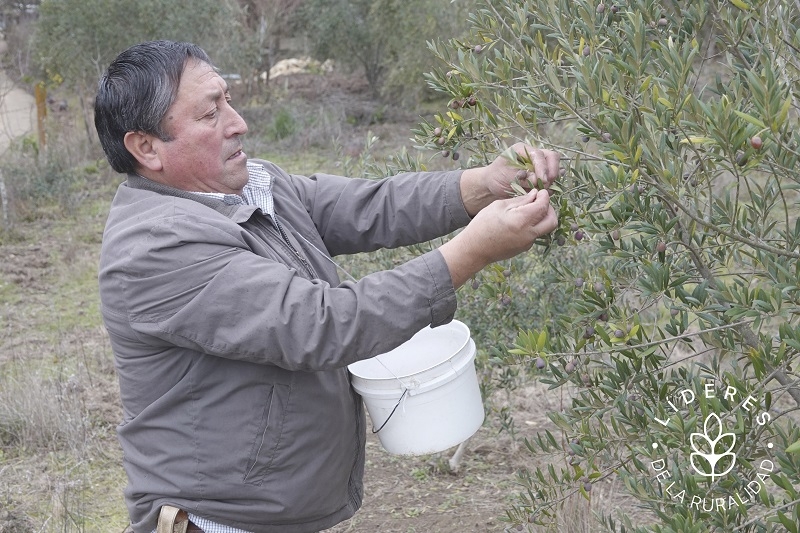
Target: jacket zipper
point(300, 257)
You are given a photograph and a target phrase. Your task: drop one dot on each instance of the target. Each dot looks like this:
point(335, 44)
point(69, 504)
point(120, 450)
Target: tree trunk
point(4, 203)
point(85, 112)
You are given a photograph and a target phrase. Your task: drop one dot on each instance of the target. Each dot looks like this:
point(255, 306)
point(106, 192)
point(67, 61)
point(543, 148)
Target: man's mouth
point(236, 154)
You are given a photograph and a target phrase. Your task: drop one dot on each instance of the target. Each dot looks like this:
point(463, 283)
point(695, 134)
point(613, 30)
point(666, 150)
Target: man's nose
point(237, 124)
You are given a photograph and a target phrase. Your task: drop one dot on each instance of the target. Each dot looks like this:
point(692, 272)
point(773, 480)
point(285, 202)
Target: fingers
point(536, 206)
point(553, 165)
point(533, 200)
point(539, 161)
point(524, 199)
point(547, 224)
point(542, 218)
point(510, 226)
point(546, 164)
point(534, 210)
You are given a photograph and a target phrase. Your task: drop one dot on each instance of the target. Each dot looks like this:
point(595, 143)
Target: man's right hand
point(501, 230)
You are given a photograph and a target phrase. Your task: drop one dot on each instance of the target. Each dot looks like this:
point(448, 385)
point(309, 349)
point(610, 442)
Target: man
point(230, 328)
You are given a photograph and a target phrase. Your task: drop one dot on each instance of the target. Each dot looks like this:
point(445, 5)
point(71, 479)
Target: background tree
point(269, 22)
point(385, 38)
point(16, 19)
point(76, 39)
point(678, 247)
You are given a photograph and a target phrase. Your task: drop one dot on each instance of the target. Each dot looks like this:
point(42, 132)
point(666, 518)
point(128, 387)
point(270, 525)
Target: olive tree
point(678, 122)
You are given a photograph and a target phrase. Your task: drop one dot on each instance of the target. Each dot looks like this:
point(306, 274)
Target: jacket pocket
point(268, 439)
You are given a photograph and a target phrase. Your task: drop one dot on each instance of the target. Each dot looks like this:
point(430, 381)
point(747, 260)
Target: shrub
point(678, 123)
point(283, 124)
point(50, 182)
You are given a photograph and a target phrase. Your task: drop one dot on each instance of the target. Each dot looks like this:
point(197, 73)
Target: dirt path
point(17, 112)
point(17, 117)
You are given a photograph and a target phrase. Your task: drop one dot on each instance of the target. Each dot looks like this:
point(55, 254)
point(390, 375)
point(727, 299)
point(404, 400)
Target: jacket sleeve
point(359, 215)
point(197, 285)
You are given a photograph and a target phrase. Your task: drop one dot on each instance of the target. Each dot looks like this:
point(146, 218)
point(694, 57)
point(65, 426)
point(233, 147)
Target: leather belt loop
point(172, 520)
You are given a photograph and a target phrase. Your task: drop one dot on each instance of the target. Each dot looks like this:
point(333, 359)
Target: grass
point(59, 460)
point(9, 293)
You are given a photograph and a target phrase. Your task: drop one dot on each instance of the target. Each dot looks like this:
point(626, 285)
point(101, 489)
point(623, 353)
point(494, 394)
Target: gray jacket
point(231, 339)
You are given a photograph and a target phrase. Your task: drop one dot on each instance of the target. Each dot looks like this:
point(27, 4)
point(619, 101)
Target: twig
point(756, 519)
point(654, 343)
point(730, 235)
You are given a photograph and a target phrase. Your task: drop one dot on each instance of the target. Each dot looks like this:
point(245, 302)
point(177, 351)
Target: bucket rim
point(457, 354)
point(417, 384)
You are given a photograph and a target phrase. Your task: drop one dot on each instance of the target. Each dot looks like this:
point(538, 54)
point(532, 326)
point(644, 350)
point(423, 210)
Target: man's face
point(205, 150)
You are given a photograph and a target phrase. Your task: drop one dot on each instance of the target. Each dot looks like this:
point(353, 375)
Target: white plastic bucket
point(423, 397)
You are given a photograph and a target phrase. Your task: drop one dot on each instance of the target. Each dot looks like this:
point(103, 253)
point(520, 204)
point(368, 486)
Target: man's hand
point(502, 230)
point(481, 186)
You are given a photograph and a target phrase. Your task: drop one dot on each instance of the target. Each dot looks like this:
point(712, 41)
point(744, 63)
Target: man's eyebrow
point(215, 94)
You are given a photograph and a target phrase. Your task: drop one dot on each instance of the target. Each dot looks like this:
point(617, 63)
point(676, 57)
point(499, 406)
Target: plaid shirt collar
point(258, 191)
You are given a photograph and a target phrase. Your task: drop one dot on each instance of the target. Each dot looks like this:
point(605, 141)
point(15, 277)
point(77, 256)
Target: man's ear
point(142, 147)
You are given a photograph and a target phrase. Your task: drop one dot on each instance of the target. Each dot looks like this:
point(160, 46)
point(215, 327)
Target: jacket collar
point(237, 213)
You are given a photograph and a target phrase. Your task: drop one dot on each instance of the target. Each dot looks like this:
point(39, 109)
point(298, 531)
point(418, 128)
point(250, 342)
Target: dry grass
point(38, 412)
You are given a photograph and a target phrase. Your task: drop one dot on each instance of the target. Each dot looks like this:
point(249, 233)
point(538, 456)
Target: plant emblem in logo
point(712, 456)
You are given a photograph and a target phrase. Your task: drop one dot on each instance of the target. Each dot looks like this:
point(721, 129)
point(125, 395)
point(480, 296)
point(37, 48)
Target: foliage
point(49, 183)
point(77, 39)
point(385, 37)
point(682, 335)
point(283, 124)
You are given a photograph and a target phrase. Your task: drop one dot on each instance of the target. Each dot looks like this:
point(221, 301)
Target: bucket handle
point(390, 414)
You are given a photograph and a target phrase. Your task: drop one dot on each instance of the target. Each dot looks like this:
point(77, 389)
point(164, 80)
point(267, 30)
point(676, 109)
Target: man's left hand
point(483, 185)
